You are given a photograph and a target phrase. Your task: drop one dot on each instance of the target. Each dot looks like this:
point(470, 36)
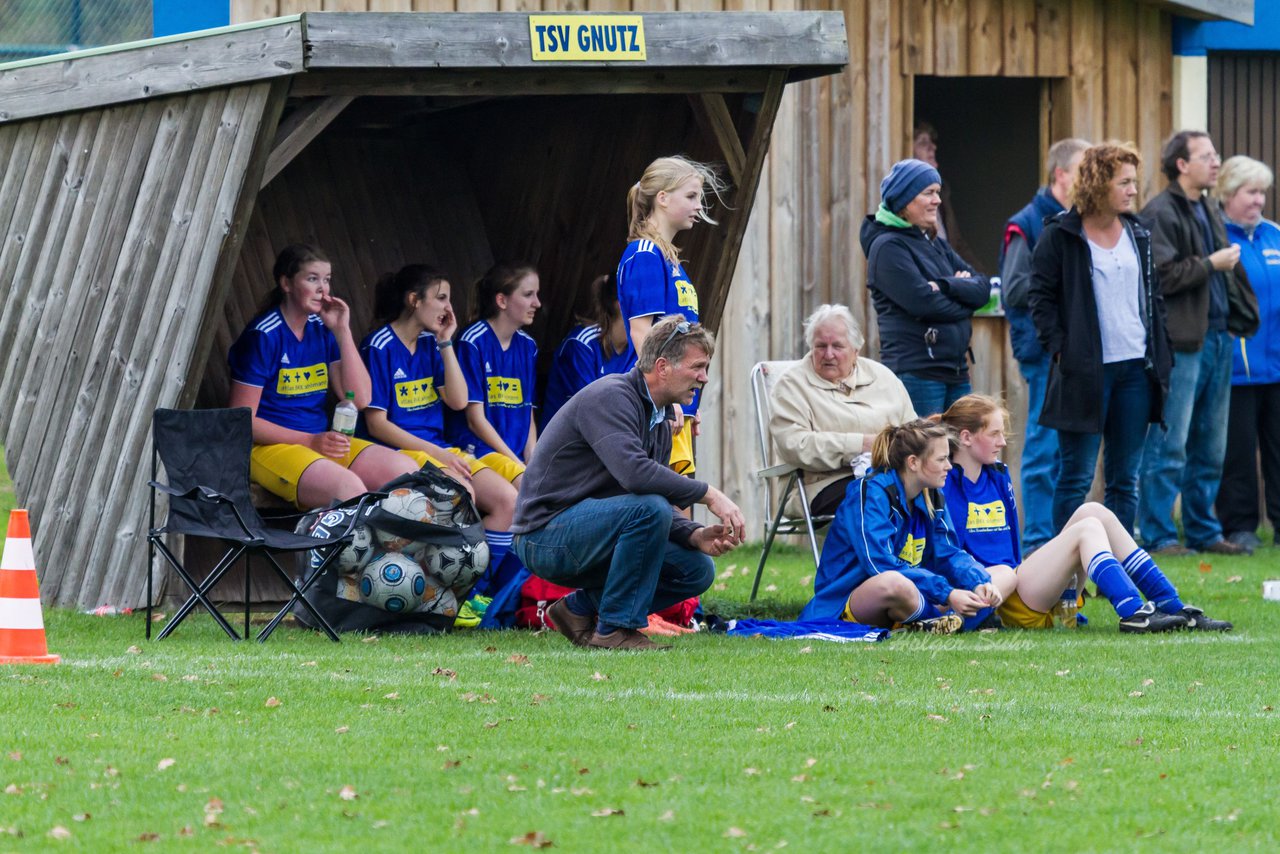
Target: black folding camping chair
point(206, 460)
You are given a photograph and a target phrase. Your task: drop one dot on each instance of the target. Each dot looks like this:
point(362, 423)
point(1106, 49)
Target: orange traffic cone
point(21, 623)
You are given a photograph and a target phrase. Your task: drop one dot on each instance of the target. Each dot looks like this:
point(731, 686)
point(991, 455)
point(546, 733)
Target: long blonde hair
point(896, 442)
point(665, 175)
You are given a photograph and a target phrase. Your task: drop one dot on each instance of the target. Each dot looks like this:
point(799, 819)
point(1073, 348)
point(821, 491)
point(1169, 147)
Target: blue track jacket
point(870, 535)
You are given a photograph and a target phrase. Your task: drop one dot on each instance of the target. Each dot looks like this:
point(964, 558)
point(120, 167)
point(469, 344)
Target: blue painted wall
point(1196, 38)
point(171, 17)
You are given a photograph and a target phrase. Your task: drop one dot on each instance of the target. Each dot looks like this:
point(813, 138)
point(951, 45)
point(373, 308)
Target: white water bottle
point(345, 415)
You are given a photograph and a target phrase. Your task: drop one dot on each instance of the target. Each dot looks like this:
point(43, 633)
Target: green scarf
point(884, 216)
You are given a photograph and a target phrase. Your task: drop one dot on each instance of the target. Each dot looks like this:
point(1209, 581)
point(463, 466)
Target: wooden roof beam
point(736, 229)
point(712, 113)
point(297, 131)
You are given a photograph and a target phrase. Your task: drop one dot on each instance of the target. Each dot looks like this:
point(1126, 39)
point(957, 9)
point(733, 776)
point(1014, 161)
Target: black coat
point(1066, 317)
point(922, 330)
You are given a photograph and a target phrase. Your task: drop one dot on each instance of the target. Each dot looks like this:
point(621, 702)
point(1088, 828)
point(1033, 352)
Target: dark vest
point(1028, 222)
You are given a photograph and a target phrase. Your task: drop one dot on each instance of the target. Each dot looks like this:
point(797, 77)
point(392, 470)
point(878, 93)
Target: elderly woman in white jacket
point(828, 408)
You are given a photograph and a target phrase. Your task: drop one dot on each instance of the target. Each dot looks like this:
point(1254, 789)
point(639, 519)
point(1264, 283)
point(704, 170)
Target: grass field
point(1083, 740)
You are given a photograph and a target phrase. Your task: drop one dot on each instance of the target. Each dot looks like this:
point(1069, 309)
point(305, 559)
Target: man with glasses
point(1208, 298)
point(597, 507)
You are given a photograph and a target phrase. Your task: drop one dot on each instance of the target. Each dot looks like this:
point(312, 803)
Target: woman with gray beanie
point(924, 293)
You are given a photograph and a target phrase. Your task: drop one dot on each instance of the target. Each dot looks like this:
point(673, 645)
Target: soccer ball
point(438, 599)
point(457, 566)
point(358, 552)
point(409, 504)
point(394, 583)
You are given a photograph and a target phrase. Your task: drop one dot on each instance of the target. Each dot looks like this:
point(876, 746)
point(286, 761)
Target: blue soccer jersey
point(984, 515)
point(405, 385)
point(578, 361)
point(502, 380)
point(651, 286)
point(293, 374)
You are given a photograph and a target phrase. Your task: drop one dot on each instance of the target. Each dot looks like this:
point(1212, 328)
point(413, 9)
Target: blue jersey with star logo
point(650, 285)
point(501, 380)
point(405, 385)
point(293, 374)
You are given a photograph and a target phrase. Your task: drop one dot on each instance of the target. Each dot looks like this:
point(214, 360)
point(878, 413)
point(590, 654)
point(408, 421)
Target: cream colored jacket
point(820, 428)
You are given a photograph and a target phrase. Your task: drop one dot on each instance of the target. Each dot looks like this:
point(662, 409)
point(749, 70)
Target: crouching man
point(596, 510)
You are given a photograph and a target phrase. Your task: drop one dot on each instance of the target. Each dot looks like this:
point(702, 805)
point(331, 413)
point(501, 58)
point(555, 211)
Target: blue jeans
point(618, 552)
point(1187, 458)
point(1126, 404)
point(932, 396)
point(1039, 460)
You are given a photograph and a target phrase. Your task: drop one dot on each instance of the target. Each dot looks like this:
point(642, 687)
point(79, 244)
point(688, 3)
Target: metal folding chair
point(205, 453)
point(763, 377)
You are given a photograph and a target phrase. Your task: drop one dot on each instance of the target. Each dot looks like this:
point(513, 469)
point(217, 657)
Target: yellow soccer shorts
point(279, 468)
point(682, 449)
point(1016, 614)
point(503, 465)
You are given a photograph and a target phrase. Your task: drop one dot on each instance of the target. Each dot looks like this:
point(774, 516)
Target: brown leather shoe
point(623, 639)
point(1223, 547)
point(1173, 550)
point(577, 629)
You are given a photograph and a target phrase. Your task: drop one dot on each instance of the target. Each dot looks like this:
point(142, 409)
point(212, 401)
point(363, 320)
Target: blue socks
point(579, 604)
point(1106, 572)
point(499, 544)
point(1152, 582)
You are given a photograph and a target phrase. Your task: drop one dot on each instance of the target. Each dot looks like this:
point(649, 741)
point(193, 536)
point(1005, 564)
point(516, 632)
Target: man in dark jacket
point(595, 509)
point(924, 293)
point(1039, 463)
point(1207, 296)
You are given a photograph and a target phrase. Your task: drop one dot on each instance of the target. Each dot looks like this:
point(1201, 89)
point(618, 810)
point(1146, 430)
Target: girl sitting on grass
point(979, 495)
point(891, 556)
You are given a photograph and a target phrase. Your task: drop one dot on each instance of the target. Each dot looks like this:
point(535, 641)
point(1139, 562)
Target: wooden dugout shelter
point(147, 187)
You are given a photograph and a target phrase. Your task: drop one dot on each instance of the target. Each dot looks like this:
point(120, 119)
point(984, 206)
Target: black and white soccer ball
point(393, 582)
point(458, 566)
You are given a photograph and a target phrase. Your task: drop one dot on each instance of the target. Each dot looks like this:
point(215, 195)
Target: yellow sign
point(416, 394)
point(686, 295)
point(580, 38)
point(306, 380)
point(505, 391)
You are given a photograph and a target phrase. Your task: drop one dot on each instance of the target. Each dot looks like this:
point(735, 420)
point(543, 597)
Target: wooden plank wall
point(1244, 116)
point(117, 219)
point(1110, 67)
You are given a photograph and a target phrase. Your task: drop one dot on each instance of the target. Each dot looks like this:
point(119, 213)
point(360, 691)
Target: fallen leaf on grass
point(12, 789)
point(133, 650)
point(444, 671)
point(720, 586)
point(1135, 693)
point(734, 833)
point(606, 812)
point(538, 699)
point(212, 810)
point(1146, 682)
point(82, 816)
point(452, 763)
point(805, 581)
point(799, 778)
point(667, 816)
point(272, 703)
point(394, 695)
point(149, 837)
point(167, 762)
point(806, 649)
point(1235, 579)
point(1061, 672)
point(1205, 566)
point(60, 832)
point(599, 677)
point(348, 793)
point(370, 639)
point(60, 760)
point(810, 762)
point(517, 658)
point(159, 677)
point(933, 717)
point(534, 839)
point(772, 588)
point(342, 730)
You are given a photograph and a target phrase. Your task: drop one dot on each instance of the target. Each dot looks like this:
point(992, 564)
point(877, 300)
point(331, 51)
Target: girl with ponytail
point(415, 375)
point(979, 495)
point(891, 555)
point(652, 282)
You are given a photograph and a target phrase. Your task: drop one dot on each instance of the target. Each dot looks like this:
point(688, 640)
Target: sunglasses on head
point(681, 328)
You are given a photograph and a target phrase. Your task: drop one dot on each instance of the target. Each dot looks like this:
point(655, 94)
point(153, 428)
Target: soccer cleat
point(947, 624)
point(1147, 620)
point(480, 604)
point(467, 617)
point(1198, 621)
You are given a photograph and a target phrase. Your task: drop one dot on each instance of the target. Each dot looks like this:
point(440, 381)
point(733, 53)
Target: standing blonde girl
point(652, 281)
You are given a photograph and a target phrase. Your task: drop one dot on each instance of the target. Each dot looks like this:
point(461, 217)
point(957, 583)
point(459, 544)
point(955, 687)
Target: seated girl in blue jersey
point(590, 350)
point(283, 365)
point(1094, 544)
point(891, 556)
point(498, 361)
point(415, 373)
point(652, 282)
